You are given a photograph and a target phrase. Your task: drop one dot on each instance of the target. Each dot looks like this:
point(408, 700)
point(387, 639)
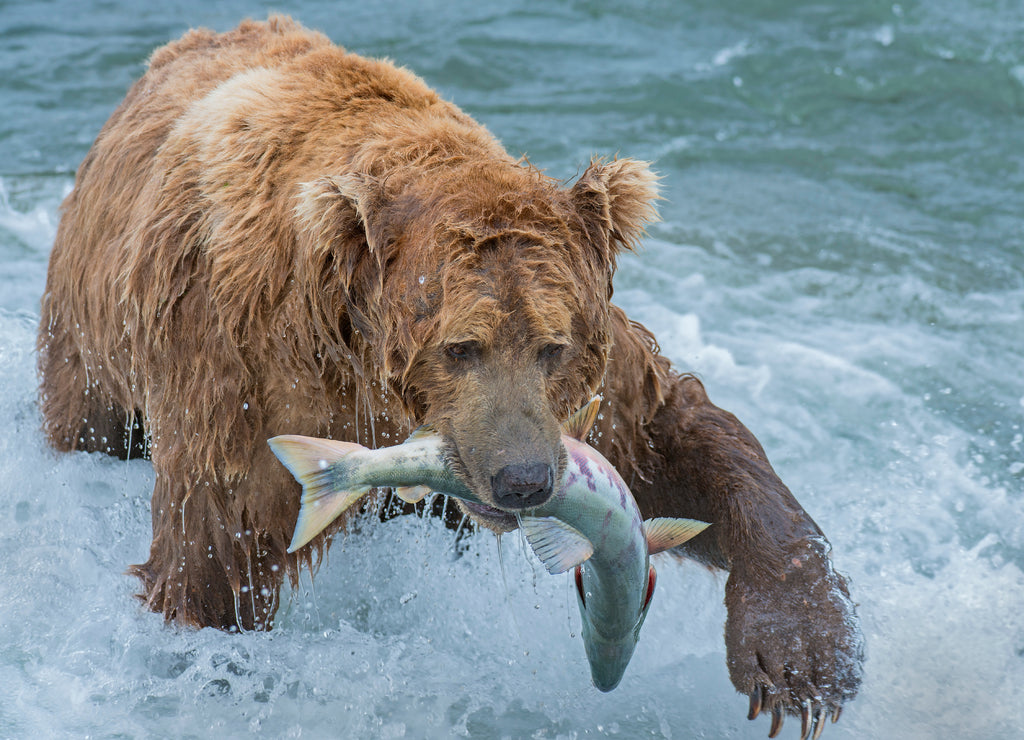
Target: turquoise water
point(841, 260)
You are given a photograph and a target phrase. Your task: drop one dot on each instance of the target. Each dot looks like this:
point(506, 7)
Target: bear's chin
point(487, 516)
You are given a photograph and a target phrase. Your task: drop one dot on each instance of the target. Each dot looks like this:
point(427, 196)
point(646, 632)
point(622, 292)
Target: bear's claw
point(815, 666)
point(812, 715)
point(756, 698)
point(777, 719)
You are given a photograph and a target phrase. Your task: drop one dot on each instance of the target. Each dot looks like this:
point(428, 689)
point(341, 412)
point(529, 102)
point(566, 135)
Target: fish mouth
point(608, 659)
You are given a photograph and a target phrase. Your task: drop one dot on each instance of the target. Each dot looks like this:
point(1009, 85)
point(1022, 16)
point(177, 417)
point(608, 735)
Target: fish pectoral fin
point(579, 424)
point(559, 546)
point(664, 533)
point(321, 505)
point(413, 494)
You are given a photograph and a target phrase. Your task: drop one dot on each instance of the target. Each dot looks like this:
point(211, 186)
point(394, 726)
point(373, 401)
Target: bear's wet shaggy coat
point(273, 236)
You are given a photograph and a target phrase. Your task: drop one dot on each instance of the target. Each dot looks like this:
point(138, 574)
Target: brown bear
point(273, 236)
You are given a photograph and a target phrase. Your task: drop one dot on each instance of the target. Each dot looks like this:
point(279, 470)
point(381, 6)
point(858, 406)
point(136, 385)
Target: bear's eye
point(550, 354)
point(462, 351)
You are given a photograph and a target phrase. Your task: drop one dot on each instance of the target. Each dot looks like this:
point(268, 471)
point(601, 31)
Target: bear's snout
point(522, 485)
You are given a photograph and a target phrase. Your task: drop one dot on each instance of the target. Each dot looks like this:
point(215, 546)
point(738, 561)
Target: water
point(840, 259)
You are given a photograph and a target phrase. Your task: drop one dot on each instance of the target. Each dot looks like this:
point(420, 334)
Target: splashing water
point(839, 261)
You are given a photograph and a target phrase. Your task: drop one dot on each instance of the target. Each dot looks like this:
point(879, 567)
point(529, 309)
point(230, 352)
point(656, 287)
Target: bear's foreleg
point(793, 639)
point(209, 565)
point(792, 635)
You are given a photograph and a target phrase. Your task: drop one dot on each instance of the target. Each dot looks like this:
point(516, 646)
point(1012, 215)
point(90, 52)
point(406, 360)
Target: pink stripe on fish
point(583, 463)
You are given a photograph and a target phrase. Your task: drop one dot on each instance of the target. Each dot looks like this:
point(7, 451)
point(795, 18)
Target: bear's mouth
point(489, 516)
point(486, 515)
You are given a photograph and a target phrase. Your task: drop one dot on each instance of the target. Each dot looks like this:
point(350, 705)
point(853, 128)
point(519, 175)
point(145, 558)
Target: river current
point(841, 260)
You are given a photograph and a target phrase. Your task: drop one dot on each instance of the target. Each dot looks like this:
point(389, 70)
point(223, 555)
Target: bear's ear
point(341, 206)
point(617, 197)
point(341, 234)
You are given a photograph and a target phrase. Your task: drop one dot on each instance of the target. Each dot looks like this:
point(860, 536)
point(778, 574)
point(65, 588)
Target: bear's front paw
point(793, 640)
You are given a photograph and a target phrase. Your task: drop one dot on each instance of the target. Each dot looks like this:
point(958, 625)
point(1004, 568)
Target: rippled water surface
point(841, 260)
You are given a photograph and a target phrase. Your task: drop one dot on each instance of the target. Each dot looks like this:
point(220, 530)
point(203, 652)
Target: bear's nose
point(522, 485)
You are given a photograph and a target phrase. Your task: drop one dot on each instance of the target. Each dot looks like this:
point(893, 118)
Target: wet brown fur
point(273, 236)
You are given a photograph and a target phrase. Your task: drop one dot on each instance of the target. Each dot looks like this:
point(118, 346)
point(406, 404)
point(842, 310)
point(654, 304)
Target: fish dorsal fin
point(579, 424)
point(664, 533)
point(559, 546)
point(426, 430)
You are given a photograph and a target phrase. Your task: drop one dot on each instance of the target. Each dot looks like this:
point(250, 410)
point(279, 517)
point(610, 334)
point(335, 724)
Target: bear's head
point(480, 298)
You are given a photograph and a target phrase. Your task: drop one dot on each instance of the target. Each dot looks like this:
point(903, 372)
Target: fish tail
point(321, 505)
point(308, 457)
point(310, 460)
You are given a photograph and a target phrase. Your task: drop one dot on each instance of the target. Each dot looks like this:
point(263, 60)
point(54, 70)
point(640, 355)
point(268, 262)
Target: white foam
point(682, 340)
point(725, 56)
point(36, 227)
